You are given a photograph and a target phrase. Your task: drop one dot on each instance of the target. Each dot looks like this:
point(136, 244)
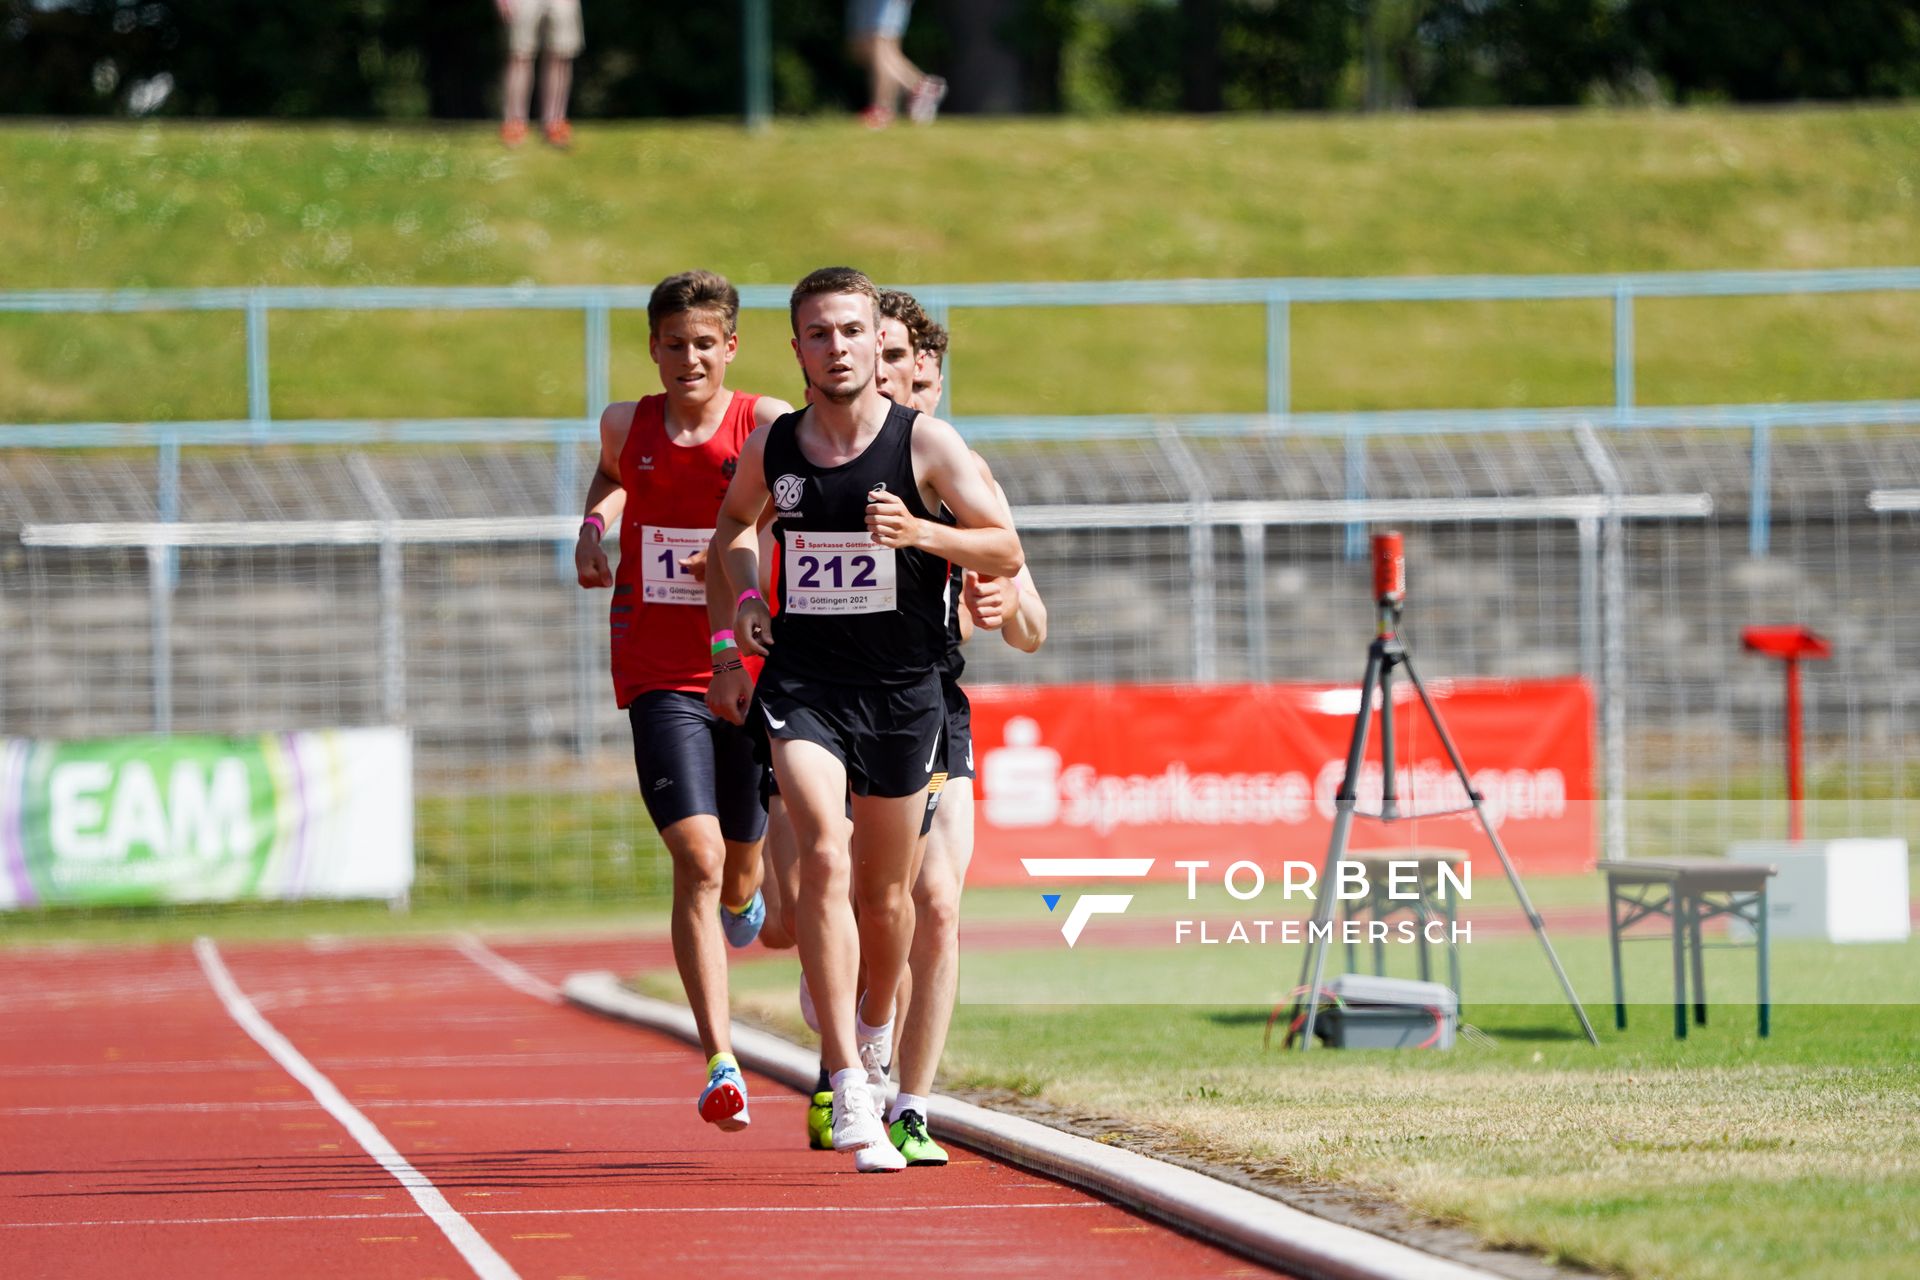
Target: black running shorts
point(956, 761)
point(691, 761)
point(770, 791)
point(935, 785)
point(959, 731)
point(889, 738)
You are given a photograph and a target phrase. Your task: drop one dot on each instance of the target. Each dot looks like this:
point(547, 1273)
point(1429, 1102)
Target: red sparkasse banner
point(1250, 771)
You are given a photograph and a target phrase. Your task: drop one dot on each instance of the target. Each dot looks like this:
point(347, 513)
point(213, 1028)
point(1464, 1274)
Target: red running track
point(144, 1132)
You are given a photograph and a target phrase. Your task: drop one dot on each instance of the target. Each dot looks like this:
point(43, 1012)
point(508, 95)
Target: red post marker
point(1389, 569)
point(1790, 645)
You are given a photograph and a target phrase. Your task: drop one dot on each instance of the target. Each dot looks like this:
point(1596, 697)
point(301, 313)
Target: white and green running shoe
point(909, 1134)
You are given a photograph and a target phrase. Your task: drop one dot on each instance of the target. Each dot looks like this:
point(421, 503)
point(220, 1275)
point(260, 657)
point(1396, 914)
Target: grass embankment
point(189, 204)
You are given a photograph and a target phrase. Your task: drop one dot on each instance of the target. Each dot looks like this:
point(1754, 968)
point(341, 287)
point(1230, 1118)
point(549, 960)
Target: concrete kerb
point(1244, 1221)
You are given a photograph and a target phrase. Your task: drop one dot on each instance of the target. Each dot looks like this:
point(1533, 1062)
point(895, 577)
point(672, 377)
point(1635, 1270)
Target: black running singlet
point(952, 662)
point(851, 612)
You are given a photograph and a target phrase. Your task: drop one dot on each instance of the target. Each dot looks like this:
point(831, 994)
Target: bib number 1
point(838, 573)
point(662, 579)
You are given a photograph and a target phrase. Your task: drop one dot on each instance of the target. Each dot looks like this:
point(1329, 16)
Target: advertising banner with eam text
point(314, 814)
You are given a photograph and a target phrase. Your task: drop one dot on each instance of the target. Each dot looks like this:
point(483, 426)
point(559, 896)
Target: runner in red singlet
point(665, 464)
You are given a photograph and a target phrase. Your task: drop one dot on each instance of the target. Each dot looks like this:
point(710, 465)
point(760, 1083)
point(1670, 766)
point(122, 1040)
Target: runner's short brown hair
point(694, 291)
point(830, 280)
point(896, 304)
point(934, 341)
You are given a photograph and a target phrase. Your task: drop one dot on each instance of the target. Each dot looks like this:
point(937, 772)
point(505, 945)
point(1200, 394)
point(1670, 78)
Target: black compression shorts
point(690, 761)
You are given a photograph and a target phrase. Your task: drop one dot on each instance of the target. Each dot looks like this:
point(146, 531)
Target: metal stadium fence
point(254, 576)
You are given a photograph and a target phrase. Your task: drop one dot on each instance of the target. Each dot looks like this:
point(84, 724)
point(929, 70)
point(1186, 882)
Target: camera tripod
point(1388, 652)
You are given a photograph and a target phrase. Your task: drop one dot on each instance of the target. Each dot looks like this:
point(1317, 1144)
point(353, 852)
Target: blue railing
point(1278, 297)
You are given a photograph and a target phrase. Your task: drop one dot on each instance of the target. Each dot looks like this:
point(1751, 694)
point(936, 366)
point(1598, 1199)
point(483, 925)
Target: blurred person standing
point(874, 28)
point(524, 20)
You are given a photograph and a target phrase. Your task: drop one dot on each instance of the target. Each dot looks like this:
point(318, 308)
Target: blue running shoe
point(743, 928)
point(723, 1102)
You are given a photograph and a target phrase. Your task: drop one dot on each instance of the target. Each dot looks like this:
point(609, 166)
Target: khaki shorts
point(562, 19)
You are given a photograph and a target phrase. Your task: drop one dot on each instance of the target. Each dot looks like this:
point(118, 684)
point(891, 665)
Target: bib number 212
point(816, 572)
point(838, 573)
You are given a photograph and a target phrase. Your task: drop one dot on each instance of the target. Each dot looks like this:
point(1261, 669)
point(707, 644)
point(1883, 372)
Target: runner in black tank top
point(947, 829)
point(852, 612)
point(850, 696)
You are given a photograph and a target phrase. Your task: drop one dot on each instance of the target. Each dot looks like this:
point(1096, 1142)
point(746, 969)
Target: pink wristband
point(599, 525)
point(748, 594)
point(718, 636)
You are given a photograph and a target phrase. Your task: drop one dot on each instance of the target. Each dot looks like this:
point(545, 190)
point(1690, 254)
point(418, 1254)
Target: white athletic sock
point(907, 1102)
point(862, 1031)
point(840, 1079)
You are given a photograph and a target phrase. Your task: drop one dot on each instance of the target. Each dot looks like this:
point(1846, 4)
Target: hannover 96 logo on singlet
point(786, 492)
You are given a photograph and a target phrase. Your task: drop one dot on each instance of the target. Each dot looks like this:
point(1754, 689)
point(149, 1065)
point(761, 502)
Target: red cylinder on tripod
point(1389, 569)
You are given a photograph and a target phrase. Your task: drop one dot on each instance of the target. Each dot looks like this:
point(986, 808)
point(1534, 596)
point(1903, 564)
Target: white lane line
point(193, 1066)
point(153, 1108)
point(506, 970)
point(481, 1256)
point(508, 1060)
point(540, 1213)
point(390, 1104)
point(178, 1067)
point(79, 997)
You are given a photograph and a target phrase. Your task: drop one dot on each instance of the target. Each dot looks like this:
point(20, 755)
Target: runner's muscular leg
point(935, 959)
point(780, 879)
point(903, 994)
point(885, 832)
point(813, 785)
point(699, 948)
point(740, 876)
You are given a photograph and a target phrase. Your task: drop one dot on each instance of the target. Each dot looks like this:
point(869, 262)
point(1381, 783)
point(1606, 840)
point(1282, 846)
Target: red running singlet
point(659, 617)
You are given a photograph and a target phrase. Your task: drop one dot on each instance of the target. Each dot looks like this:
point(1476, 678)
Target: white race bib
point(662, 580)
point(837, 573)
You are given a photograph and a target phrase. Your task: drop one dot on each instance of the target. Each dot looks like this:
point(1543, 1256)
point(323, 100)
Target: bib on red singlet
point(663, 580)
